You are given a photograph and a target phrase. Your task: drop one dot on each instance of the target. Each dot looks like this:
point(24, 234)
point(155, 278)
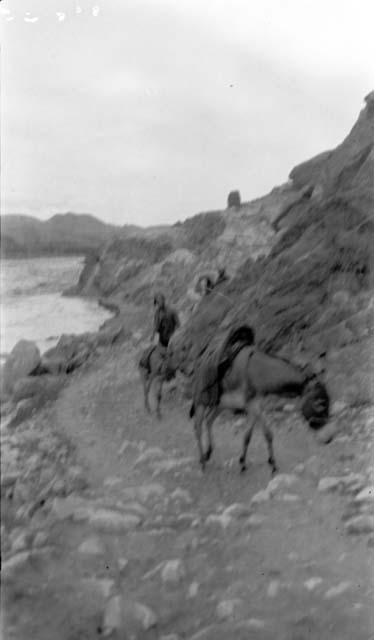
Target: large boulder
point(22, 360)
point(31, 386)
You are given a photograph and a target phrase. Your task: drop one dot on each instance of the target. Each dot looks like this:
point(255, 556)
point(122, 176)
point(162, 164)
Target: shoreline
point(108, 305)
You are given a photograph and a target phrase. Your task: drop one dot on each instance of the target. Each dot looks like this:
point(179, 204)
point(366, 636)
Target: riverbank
point(33, 306)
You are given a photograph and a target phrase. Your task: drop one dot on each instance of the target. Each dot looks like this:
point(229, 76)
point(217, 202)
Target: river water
point(33, 308)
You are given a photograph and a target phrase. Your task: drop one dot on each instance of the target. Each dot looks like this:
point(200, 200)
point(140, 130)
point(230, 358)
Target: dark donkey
point(245, 381)
point(154, 369)
point(153, 364)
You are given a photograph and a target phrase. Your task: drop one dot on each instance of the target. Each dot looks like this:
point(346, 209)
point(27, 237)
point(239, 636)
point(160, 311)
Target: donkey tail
point(316, 405)
point(192, 410)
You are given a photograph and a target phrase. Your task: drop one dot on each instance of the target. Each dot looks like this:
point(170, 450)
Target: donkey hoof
point(274, 470)
point(243, 466)
point(208, 454)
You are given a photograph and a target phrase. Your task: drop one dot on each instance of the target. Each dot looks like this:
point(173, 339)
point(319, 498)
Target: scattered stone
point(181, 494)
point(328, 433)
point(237, 510)
point(288, 407)
point(40, 539)
point(350, 483)
point(103, 586)
point(273, 588)
point(132, 507)
point(20, 541)
point(9, 479)
point(113, 521)
point(255, 521)
point(76, 479)
point(112, 481)
point(64, 508)
point(360, 524)
point(261, 496)
point(338, 407)
point(153, 453)
point(171, 464)
point(326, 485)
point(112, 616)
point(173, 571)
point(11, 566)
point(119, 613)
point(170, 636)
point(122, 564)
point(300, 468)
point(193, 590)
point(366, 494)
point(282, 481)
point(222, 519)
point(290, 497)
point(124, 446)
point(312, 583)
point(228, 609)
point(338, 590)
point(92, 546)
point(312, 467)
point(144, 492)
point(208, 633)
point(187, 518)
point(253, 623)
point(154, 571)
point(144, 615)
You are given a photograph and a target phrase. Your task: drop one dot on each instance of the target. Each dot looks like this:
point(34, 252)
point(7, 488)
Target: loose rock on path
point(110, 528)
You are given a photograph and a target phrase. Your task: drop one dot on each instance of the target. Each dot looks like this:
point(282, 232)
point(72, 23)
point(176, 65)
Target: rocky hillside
point(300, 262)
point(313, 293)
point(62, 234)
point(171, 258)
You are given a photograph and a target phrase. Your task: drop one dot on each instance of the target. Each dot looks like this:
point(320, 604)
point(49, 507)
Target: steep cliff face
point(313, 293)
point(171, 258)
point(300, 265)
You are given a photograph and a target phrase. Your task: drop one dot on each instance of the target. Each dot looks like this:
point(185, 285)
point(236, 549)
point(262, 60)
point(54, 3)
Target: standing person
point(153, 362)
point(165, 320)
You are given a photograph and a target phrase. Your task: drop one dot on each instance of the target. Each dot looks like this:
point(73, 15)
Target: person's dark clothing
point(166, 322)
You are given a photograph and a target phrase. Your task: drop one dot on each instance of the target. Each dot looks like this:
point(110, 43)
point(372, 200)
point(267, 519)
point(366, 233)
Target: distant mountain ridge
point(62, 234)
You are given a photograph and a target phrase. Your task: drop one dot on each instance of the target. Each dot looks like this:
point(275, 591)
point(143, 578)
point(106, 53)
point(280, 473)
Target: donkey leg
point(252, 412)
point(246, 441)
point(268, 435)
point(209, 428)
point(146, 381)
point(159, 381)
point(198, 427)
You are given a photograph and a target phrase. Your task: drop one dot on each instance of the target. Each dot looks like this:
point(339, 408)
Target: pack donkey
point(238, 379)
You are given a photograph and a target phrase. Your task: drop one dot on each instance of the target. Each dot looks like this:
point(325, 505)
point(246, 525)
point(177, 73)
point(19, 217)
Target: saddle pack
point(216, 361)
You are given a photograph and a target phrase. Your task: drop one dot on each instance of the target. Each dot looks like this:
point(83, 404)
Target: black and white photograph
point(187, 319)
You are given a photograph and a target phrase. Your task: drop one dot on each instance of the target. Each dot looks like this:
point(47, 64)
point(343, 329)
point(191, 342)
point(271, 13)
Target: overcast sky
point(150, 111)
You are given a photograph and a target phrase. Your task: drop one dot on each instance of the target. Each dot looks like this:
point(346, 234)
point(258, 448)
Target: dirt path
point(146, 546)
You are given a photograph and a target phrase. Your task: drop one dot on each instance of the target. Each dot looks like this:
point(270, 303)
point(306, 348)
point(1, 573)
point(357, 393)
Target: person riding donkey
point(165, 320)
point(153, 361)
